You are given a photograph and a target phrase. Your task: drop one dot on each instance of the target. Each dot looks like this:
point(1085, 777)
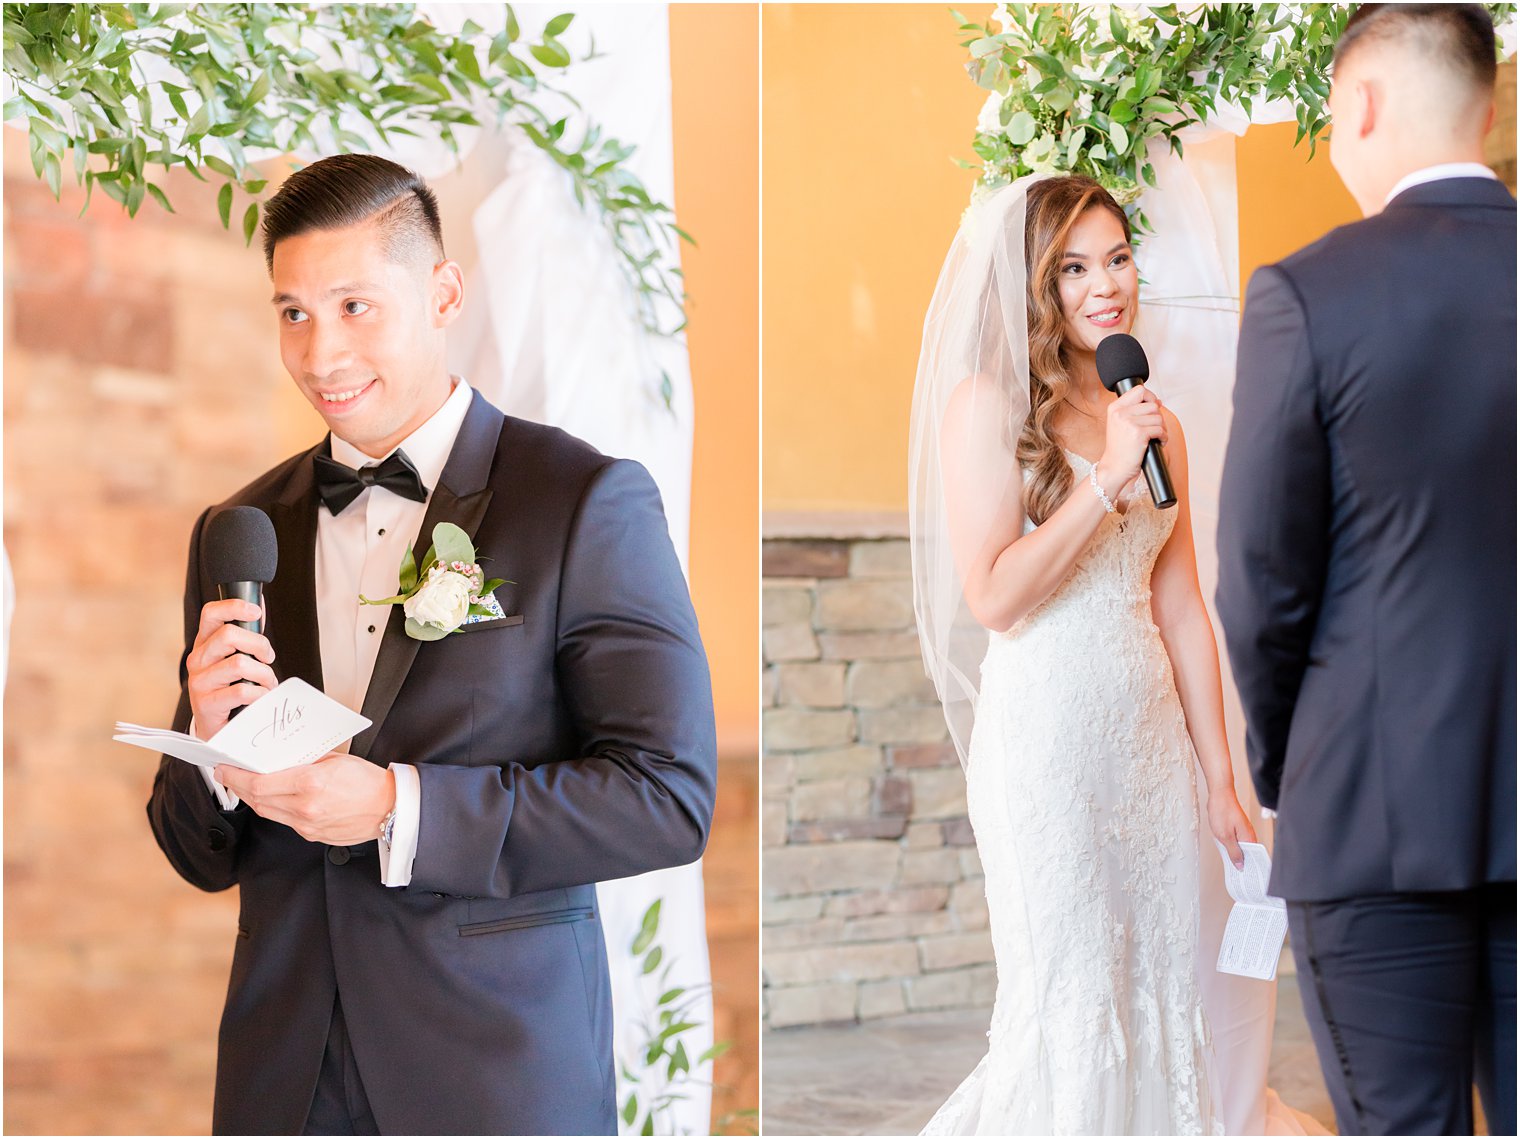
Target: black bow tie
point(339, 485)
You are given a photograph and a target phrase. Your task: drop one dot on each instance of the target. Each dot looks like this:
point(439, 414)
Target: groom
point(1367, 584)
point(418, 947)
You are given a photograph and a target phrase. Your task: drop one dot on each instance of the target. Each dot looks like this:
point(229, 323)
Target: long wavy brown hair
point(1054, 205)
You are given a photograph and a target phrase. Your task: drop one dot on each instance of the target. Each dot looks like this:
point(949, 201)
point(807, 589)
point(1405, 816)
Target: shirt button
point(382, 531)
point(337, 855)
point(371, 628)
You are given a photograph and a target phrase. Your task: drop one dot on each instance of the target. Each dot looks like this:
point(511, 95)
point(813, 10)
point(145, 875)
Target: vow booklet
point(1258, 925)
point(289, 726)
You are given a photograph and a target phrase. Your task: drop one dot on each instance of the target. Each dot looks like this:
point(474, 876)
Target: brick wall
point(873, 898)
point(142, 382)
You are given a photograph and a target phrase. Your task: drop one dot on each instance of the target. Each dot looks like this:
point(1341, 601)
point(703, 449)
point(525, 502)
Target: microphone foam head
point(239, 545)
point(1120, 357)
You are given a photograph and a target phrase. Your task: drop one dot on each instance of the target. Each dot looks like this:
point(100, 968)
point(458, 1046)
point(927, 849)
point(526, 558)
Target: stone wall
point(873, 898)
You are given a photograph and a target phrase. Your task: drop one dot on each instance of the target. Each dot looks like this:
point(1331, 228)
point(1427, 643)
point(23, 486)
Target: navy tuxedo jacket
point(569, 742)
point(1367, 547)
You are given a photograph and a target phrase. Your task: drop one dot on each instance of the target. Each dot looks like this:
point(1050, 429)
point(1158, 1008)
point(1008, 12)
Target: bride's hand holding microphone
point(1134, 419)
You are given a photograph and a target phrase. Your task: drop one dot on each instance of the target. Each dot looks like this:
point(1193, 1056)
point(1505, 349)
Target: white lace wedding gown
point(1081, 786)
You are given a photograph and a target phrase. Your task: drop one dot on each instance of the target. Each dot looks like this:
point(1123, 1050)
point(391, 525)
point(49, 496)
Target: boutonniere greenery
point(448, 588)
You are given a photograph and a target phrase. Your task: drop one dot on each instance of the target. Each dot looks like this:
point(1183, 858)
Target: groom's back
point(1409, 693)
point(1411, 320)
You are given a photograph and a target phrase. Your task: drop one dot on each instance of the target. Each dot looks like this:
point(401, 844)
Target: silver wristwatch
point(388, 827)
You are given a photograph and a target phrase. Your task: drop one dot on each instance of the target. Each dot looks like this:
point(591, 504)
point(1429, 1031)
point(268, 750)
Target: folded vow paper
point(292, 725)
point(1258, 923)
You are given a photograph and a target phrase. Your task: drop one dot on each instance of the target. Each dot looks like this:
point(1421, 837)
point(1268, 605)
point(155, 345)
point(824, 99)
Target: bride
point(1039, 556)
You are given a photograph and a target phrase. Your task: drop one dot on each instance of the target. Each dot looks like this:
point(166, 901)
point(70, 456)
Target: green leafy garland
point(1085, 88)
point(267, 75)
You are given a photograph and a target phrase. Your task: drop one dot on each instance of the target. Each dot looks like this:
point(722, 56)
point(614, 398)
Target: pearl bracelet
point(1092, 477)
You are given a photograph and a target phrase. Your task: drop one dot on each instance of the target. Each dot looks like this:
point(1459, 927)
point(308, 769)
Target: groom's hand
point(339, 800)
point(227, 666)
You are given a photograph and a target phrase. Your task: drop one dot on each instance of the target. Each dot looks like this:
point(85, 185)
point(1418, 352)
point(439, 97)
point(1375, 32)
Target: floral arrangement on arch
point(1085, 88)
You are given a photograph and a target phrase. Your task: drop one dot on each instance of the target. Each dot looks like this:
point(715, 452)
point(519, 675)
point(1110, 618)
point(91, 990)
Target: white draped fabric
point(1190, 311)
point(552, 337)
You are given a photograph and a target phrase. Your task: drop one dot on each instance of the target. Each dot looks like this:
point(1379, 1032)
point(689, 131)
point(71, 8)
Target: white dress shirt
point(359, 552)
point(1437, 173)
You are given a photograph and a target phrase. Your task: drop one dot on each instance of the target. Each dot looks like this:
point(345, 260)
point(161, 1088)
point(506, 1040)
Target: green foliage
point(651, 1091)
point(1085, 89)
point(271, 76)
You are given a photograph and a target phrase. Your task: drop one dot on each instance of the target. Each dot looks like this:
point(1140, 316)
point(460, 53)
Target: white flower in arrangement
point(444, 599)
point(987, 122)
point(1086, 72)
point(1043, 156)
point(1081, 110)
point(1137, 23)
point(1003, 18)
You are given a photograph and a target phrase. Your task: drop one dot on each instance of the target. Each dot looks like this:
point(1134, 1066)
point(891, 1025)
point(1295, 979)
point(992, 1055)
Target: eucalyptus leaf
point(452, 544)
point(1021, 128)
point(250, 222)
point(1118, 136)
point(224, 204)
point(420, 632)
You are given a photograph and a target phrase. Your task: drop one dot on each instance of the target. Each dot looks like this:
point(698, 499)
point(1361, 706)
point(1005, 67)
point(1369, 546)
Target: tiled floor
point(888, 1077)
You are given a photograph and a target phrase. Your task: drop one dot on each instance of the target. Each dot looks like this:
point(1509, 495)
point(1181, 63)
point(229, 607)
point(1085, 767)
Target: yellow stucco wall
point(864, 109)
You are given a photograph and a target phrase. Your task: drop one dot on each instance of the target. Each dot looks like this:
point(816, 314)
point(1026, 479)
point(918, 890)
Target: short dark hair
point(1461, 35)
point(348, 189)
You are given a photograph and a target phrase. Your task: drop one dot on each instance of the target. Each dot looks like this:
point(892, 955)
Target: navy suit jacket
point(1367, 547)
point(570, 742)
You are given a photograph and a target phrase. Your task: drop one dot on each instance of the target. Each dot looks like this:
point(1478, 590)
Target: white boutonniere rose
point(448, 589)
point(443, 600)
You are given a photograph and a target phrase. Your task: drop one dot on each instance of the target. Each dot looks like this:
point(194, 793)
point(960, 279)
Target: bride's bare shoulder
point(978, 401)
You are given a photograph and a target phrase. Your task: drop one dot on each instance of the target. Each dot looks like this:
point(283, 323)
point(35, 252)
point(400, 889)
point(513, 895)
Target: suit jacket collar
point(462, 496)
point(1455, 192)
point(291, 598)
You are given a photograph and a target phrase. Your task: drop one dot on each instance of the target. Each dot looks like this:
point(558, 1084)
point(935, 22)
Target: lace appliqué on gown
point(1081, 788)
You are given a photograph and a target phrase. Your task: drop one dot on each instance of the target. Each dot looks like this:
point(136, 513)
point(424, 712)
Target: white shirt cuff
point(1268, 813)
point(397, 856)
point(228, 799)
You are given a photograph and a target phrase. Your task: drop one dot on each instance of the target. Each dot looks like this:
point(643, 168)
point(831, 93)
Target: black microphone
point(240, 552)
point(1121, 366)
